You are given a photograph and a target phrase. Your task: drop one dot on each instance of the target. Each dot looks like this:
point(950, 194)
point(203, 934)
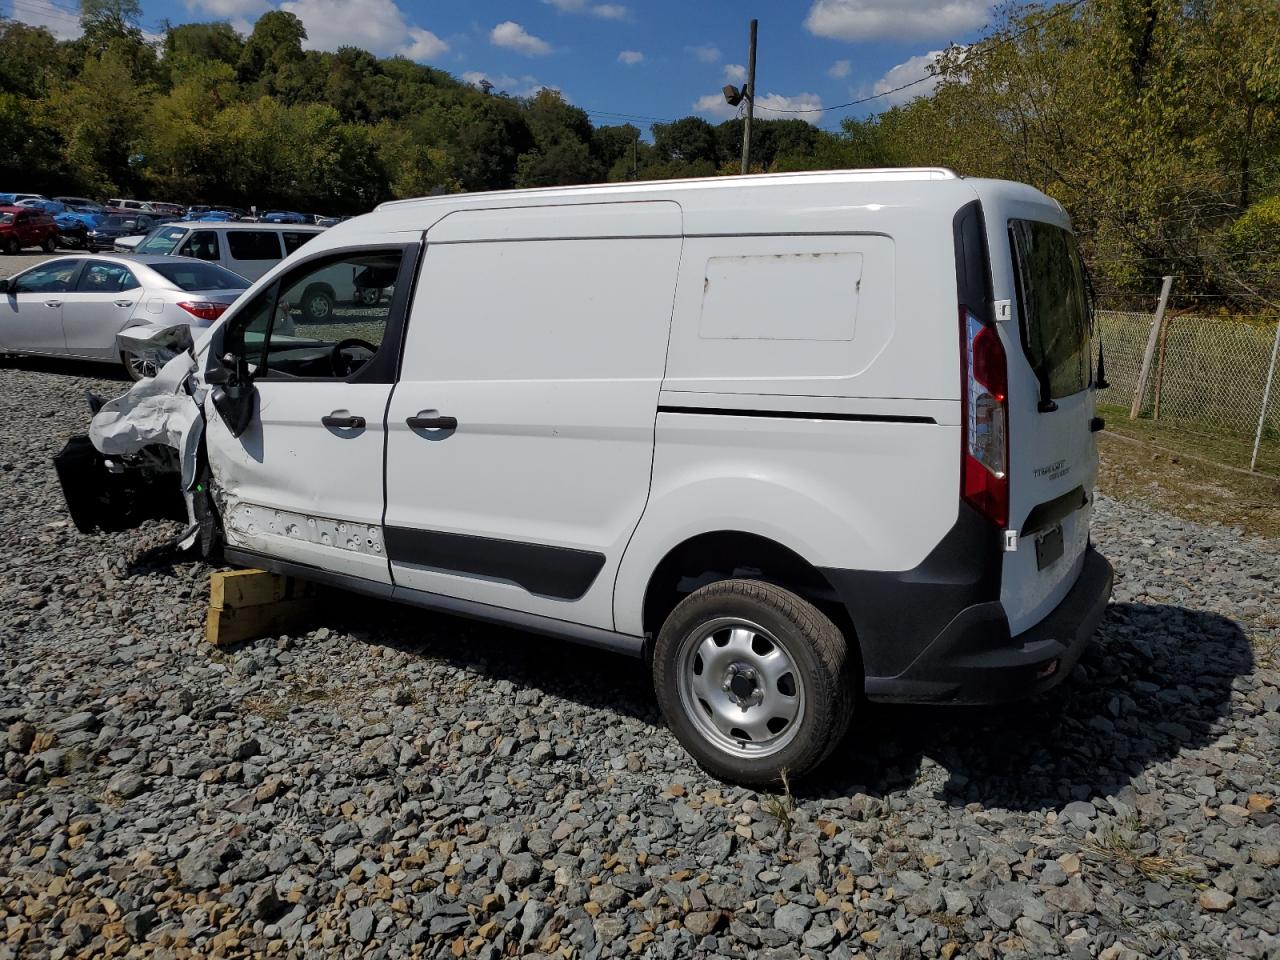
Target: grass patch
point(1115, 846)
point(1231, 449)
point(781, 806)
point(1151, 463)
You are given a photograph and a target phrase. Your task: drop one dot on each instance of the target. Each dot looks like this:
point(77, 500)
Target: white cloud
point(511, 35)
point(906, 72)
point(839, 70)
point(801, 101)
point(230, 9)
point(605, 11)
point(735, 72)
point(374, 25)
point(61, 22)
point(425, 46)
point(706, 52)
point(525, 86)
point(630, 57)
point(714, 105)
point(896, 19)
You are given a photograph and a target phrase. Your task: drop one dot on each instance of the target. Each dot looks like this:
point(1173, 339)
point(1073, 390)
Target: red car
point(24, 227)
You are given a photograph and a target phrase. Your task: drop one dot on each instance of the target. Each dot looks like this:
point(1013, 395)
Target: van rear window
point(1053, 304)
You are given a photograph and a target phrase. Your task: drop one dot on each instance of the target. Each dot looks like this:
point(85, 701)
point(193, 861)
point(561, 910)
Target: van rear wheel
point(753, 680)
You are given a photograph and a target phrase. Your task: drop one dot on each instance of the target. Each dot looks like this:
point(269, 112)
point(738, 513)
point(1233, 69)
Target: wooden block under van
point(248, 604)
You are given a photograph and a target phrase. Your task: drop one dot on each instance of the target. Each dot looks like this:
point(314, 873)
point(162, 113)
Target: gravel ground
point(13, 265)
point(397, 784)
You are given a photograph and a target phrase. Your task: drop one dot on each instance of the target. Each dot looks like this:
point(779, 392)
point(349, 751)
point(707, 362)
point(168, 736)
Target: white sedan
point(77, 306)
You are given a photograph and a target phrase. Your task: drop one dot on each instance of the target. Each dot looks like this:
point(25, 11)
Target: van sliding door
point(520, 435)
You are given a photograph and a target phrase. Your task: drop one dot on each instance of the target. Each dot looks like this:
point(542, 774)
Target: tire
point(49, 245)
point(137, 368)
point(317, 304)
point(369, 296)
point(12, 247)
point(753, 622)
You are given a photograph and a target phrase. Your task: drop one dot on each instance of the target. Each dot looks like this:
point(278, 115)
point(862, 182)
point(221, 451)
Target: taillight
point(985, 380)
point(204, 311)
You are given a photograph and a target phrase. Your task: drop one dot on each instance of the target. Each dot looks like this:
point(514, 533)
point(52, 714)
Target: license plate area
point(1049, 547)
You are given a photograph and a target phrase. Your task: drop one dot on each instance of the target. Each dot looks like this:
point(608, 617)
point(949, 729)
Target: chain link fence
point(1207, 376)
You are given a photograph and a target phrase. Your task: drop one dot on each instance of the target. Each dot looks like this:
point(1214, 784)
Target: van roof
point(755, 180)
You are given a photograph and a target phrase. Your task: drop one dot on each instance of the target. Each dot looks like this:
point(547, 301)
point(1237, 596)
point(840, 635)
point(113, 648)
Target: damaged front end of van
point(144, 456)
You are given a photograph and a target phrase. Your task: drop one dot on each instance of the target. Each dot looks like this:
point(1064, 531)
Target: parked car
point(112, 227)
point(283, 216)
point(791, 440)
point(82, 204)
point(22, 227)
point(246, 248)
point(43, 204)
point(12, 198)
point(174, 210)
point(77, 306)
point(131, 205)
point(322, 221)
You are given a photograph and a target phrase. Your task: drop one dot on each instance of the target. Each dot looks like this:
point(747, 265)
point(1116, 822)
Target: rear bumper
point(975, 660)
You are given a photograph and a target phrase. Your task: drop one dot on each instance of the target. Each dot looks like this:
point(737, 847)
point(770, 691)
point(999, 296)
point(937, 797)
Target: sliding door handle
point(432, 422)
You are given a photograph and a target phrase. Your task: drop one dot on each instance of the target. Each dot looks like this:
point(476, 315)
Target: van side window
point(246, 334)
point(203, 245)
point(325, 320)
point(253, 244)
point(293, 239)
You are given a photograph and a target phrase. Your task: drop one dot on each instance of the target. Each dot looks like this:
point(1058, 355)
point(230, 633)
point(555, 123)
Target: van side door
point(302, 480)
point(520, 433)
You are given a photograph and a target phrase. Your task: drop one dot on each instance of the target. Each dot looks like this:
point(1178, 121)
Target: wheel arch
point(736, 554)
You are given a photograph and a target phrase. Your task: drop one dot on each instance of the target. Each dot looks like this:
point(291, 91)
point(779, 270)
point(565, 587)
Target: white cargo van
point(790, 439)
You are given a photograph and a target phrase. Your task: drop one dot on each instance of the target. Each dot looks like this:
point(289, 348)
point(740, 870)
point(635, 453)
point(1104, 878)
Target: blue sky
point(658, 59)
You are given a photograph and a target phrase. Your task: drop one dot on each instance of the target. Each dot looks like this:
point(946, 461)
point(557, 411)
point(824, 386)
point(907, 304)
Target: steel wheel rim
point(143, 367)
point(740, 687)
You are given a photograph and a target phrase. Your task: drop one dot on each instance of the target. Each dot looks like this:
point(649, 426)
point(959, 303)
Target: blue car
point(284, 216)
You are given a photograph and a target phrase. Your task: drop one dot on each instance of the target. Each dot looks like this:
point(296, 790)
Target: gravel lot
point(396, 784)
point(13, 265)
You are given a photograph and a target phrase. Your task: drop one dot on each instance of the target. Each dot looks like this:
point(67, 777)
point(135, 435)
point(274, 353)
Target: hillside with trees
point(1155, 123)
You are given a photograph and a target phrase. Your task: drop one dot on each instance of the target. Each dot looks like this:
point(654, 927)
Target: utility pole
point(635, 160)
point(749, 91)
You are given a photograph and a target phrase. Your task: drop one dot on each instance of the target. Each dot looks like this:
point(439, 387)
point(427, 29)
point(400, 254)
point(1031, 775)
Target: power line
point(1056, 12)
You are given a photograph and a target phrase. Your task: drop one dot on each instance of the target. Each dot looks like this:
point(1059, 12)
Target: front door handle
point(343, 421)
point(436, 422)
point(124, 303)
point(53, 303)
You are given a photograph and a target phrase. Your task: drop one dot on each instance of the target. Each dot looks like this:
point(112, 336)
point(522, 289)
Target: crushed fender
point(138, 445)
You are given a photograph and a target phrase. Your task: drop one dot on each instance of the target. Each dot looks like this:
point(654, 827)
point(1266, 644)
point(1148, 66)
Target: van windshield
point(162, 240)
point(1053, 303)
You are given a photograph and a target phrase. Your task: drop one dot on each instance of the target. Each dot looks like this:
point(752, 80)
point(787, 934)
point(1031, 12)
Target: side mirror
point(7, 285)
point(218, 376)
point(233, 396)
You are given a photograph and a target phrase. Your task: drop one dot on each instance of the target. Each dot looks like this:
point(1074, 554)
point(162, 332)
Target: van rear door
point(1052, 450)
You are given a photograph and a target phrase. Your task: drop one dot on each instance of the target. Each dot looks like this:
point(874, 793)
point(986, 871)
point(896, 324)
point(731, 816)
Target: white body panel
point(555, 436)
point(289, 465)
